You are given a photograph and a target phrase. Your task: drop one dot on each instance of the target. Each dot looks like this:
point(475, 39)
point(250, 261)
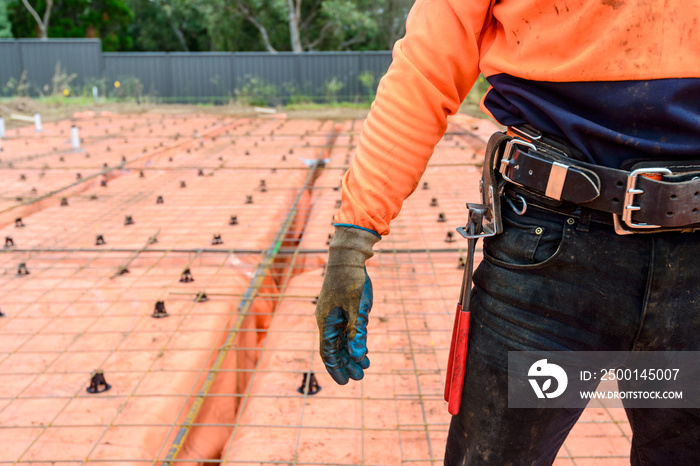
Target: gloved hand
point(343, 306)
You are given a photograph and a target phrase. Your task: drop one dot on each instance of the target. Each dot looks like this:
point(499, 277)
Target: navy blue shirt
point(609, 122)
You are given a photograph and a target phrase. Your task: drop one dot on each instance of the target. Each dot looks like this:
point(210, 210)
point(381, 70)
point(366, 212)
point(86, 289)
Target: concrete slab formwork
point(229, 224)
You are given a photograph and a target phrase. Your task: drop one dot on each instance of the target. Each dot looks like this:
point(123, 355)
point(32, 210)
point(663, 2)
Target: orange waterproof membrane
point(153, 364)
point(376, 421)
point(319, 227)
point(141, 272)
point(222, 224)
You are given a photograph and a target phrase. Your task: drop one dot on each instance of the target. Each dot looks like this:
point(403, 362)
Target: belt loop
point(584, 221)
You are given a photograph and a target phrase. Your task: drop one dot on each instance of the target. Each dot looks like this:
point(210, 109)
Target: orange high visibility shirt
point(616, 78)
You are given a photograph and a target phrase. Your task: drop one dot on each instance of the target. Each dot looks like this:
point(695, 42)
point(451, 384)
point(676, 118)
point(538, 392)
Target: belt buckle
point(506, 158)
point(625, 225)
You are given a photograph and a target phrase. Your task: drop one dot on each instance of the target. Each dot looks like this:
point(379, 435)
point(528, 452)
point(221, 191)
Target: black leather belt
point(651, 197)
point(521, 198)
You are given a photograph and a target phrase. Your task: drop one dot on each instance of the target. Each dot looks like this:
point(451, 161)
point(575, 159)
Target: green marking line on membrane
point(243, 308)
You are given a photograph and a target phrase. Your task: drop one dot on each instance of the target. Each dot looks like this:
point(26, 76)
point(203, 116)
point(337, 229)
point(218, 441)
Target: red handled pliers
point(457, 362)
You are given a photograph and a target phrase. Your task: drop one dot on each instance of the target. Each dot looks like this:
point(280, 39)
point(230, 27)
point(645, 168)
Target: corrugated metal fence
point(260, 78)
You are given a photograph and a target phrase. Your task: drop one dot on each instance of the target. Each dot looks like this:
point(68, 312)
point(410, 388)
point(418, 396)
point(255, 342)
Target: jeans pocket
point(528, 241)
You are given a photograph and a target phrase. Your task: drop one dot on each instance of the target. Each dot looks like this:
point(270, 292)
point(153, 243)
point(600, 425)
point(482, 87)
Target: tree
point(187, 23)
point(5, 25)
point(42, 23)
point(348, 24)
point(267, 17)
point(253, 14)
point(393, 21)
point(294, 19)
point(150, 29)
point(168, 26)
point(295, 25)
point(106, 19)
point(223, 25)
point(176, 19)
point(301, 25)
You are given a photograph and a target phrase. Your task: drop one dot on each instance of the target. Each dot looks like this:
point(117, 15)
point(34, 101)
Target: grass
point(59, 100)
point(315, 106)
point(470, 106)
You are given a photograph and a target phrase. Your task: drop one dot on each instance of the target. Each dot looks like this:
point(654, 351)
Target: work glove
point(343, 306)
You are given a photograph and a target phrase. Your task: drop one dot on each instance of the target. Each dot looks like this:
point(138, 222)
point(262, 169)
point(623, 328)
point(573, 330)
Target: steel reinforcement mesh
point(177, 260)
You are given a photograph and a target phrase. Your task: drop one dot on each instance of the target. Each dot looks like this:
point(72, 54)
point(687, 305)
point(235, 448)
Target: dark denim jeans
point(554, 282)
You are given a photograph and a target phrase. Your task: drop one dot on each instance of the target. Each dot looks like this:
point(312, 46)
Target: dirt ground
point(53, 111)
point(63, 109)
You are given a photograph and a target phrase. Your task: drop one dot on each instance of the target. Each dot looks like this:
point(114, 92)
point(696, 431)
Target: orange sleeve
point(433, 69)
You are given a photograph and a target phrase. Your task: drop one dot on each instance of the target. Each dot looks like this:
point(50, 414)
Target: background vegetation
point(212, 25)
point(5, 26)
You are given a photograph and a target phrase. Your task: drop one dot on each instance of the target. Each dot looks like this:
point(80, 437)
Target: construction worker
point(601, 99)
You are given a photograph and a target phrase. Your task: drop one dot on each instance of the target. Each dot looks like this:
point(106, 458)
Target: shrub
point(368, 80)
point(331, 89)
point(129, 87)
point(61, 81)
point(255, 91)
point(99, 83)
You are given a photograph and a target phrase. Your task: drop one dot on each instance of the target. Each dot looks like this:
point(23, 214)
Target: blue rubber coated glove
point(342, 312)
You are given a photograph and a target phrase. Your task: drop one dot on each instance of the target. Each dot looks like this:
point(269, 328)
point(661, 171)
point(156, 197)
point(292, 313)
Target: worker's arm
point(433, 69)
